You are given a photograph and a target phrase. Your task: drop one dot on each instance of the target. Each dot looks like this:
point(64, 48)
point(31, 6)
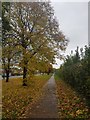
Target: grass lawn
point(70, 105)
point(16, 98)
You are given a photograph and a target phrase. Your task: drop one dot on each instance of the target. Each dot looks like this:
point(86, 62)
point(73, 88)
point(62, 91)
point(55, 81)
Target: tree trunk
point(7, 76)
point(25, 61)
point(48, 73)
point(24, 76)
point(8, 71)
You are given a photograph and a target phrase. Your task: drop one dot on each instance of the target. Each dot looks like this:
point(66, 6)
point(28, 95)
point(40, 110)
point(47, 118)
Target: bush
point(76, 72)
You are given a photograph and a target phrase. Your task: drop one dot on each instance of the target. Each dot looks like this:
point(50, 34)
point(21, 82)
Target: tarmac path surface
point(46, 106)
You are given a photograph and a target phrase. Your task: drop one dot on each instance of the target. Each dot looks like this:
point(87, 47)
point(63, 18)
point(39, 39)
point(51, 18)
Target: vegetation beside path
point(70, 105)
point(15, 97)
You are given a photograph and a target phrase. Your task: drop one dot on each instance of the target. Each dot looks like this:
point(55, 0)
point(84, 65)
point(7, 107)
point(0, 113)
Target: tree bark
point(24, 72)
point(8, 71)
point(7, 75)
point(24, 76)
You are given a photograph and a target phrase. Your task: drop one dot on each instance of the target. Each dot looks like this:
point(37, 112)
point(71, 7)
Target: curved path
point(46, 106)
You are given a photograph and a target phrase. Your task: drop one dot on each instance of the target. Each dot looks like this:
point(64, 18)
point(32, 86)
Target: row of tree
point(30, 36)
point(76, 71)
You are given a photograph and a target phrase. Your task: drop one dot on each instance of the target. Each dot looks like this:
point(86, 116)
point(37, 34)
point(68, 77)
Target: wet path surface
point(46, 106)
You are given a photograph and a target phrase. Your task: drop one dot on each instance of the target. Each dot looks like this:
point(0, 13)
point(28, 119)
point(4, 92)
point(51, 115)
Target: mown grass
point(16, 98)
point(70, 105)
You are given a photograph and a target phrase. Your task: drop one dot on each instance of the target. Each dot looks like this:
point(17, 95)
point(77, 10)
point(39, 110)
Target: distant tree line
point(76, 71)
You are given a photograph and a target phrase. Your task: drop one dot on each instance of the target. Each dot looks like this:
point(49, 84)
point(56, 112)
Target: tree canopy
point(35, 33)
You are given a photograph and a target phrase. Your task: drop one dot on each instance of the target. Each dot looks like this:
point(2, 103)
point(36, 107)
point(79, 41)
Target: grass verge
point(70, 105)
point(16, 98)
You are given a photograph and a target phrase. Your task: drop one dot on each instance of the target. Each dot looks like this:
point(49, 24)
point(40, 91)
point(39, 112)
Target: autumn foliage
point(33, 38)
point(16, 98)
point(70, 104)
point(76, 72)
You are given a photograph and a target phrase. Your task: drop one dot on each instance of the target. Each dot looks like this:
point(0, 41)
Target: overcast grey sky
point(73, 21)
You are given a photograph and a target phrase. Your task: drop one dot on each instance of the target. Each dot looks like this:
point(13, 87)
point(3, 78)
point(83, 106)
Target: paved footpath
point(46, 106)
